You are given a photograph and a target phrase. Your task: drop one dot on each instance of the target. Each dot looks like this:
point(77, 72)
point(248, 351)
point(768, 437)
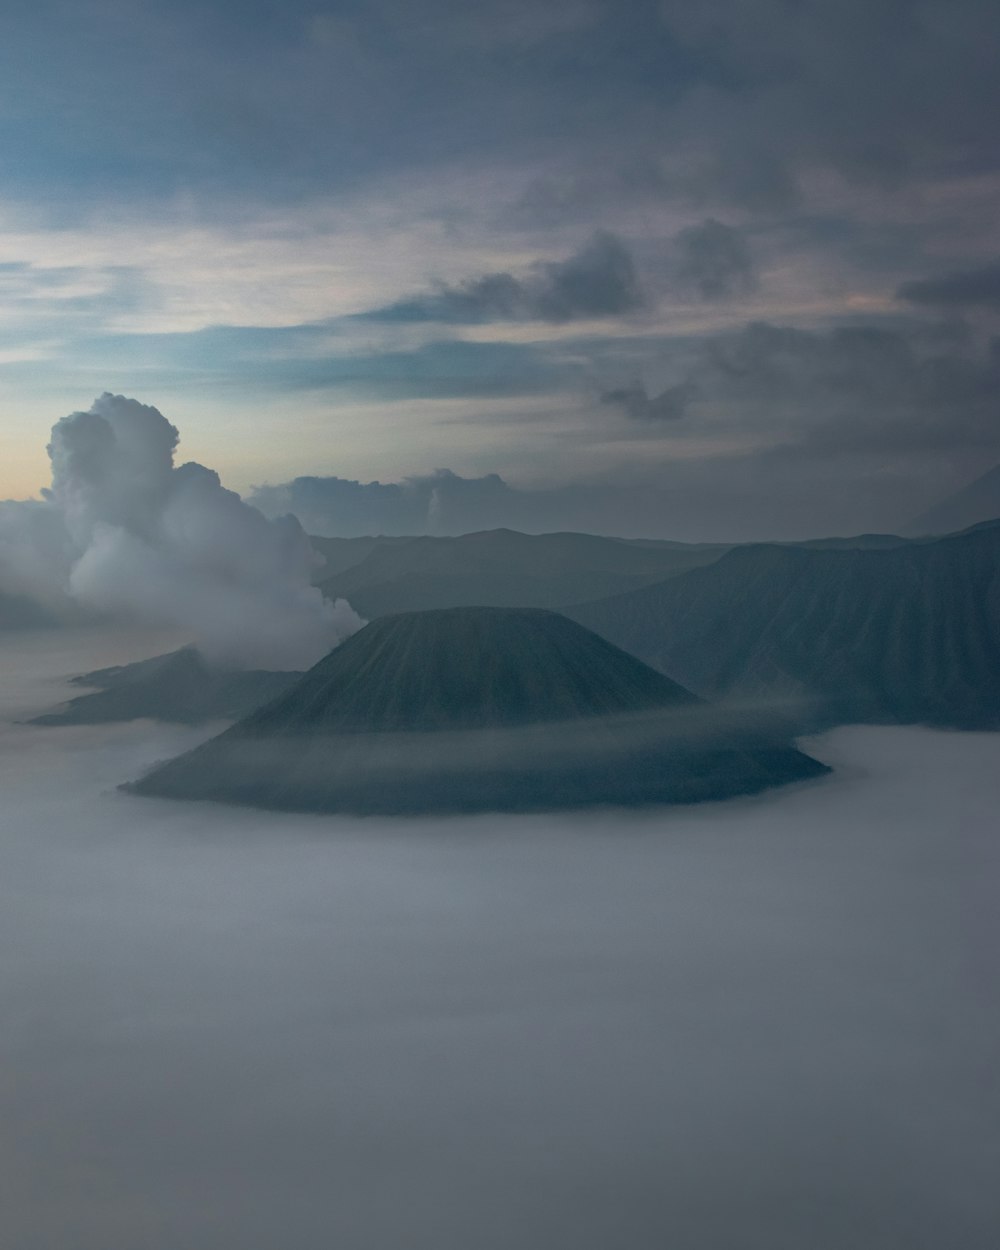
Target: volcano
point(482, 709)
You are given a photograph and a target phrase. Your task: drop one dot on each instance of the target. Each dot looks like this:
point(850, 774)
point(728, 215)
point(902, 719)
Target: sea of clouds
point(762, 1024)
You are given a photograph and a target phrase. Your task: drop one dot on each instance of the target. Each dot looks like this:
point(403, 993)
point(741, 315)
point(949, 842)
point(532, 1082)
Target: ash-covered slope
point(502, 568)
point(178, 687)
point(905, 635)
point(479, 709)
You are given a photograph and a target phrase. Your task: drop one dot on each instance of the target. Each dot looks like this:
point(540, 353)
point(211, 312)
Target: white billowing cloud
point(125, 531)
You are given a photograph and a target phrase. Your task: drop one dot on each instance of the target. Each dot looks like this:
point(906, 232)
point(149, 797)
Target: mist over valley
point(769, 1021)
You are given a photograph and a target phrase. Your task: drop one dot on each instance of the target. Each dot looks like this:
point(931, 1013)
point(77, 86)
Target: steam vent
point(481, 709)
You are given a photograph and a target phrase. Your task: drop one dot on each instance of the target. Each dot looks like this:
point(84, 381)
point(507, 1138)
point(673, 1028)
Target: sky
point(700, 271)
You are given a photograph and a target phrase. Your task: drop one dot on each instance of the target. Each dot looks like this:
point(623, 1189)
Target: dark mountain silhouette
point(478, 709)
point(177, 687)
point(973, 504)
point(499, 568)
point(904, 635)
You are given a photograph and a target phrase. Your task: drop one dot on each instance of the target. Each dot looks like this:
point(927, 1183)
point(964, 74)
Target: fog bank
point(769, 1023)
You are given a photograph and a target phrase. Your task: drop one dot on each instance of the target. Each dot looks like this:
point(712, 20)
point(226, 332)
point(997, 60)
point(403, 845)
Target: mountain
point(178, 687)
point(339, 554)
point(866, 542)
point(481, 709)
point(499, 568)
point(902, 635)
point(977, 502)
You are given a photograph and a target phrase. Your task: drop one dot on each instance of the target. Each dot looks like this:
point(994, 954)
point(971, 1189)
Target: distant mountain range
point(869, 628)
point(177, 687)
point(902, 634)
point(504, 568)
point(496, 568)
point(973, 504)
point(482, 709)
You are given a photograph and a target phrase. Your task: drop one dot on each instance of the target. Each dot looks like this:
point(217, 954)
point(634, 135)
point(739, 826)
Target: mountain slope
point(178, 687)
point(503, 568)
point(910, 634)
point(481, 709)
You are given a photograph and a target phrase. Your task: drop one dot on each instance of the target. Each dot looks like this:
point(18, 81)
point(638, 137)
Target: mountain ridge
point(905, 635)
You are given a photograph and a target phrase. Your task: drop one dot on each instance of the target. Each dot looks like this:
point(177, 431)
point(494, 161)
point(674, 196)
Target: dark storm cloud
point(599, 280)
point(967, 288)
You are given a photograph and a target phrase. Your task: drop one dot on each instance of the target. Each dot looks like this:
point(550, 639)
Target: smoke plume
point(123, 531)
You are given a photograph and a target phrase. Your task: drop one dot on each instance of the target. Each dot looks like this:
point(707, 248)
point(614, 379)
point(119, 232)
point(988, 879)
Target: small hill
point(902, 635)
point(481, 709)
point(977, 502)
point(499, 568)
point(178, 687)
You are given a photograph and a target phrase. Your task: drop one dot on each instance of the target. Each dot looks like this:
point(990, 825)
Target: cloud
point(229, 1028)
point(809, 86)
point(713, 260)
point(762, 431)
point(966, 288)
point(598, 281)
point(855, 388)
point(123, 531)
point(636, 402)
point(442, 502)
